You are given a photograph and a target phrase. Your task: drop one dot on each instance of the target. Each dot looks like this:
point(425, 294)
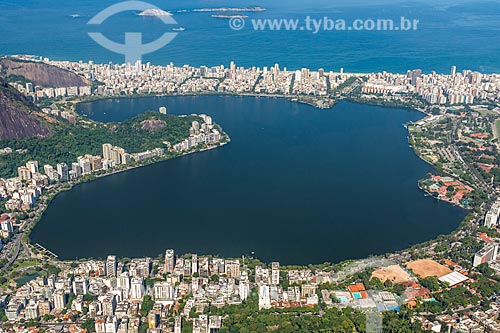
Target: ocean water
point(464, 33)
point(296, 184)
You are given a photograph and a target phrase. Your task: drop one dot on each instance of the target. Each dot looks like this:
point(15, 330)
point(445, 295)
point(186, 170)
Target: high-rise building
point(48, 169)
point(163, 291)
point(31, 311)
point(195, 125)
point(85, 165)
point(111, 265)
point(76, 170)
point(415, 75)
point(169, 261)
point(116, 155)
point(244, 287)
point(80, 286)
point(44, 308)
point(194, 264)
point(264, 297)
point(187, 268)
point(109, 305)
point(62, 171)
point(178, 325)
point(106, 151)
point(137, 288)
point(95, 163)
point(487, 254)
point(33, 166)
point(214, 324)
point(24, 173)
point(232, 268)
point(275, 273)
point(123, 282)
point(453, 70)
point(59, 299)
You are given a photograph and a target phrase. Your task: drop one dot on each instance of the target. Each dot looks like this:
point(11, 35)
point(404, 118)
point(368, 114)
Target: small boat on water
point(178, 29)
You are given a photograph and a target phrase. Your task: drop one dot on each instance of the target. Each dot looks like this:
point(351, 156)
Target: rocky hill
point(19, 118)
point(42, 74)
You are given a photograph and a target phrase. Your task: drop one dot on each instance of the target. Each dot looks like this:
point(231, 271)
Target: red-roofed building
point(415, 291)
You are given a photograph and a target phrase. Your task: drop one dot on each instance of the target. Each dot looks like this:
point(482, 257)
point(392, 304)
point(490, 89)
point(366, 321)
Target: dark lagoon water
point(296, 184)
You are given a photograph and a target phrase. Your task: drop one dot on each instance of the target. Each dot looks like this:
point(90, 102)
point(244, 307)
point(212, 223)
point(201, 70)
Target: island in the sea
point(228, 16)
point(154, 12)
point(231, 9)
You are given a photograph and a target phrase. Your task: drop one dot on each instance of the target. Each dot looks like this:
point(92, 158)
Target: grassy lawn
point(485, 112)
point(497, 127)
point(24, 264)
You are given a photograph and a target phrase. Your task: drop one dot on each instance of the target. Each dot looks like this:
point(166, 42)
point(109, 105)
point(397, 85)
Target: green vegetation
point(456, 297)
point(431, 283)
point(143, 328)
point(89, 325)
point(487, 287)
point(89, 298)
point(147, 131)
point(71, 298)
point(247, 318)
point(17, 78)
point(147, 305)
point(399, 323)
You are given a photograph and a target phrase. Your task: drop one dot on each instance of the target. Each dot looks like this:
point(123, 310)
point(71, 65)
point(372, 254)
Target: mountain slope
point(42, 74)
point(19, 118)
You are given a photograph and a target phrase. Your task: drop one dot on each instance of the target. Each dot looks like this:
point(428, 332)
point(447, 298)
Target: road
point(471, 171)
point(17, 249)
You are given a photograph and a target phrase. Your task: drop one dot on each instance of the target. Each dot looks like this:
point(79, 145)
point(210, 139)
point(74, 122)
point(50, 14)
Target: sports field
point(394, 273)
point(428, 267)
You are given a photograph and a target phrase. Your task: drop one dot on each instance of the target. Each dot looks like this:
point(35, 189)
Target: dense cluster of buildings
point(37, 92)
point(448, 189)
point(164, 294)
point(200, 134)
point(113, 293)
point(473, 322)
point(23, 191)
point(466, 87)
point(138, 78)
point(469, 322)
point(54, 111)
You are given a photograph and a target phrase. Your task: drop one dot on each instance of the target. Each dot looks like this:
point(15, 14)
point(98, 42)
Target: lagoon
point(296, 184)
